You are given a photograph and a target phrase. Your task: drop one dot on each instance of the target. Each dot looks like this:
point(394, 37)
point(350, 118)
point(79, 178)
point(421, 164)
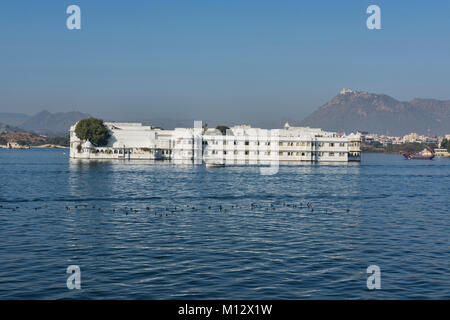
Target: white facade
point(240, 145)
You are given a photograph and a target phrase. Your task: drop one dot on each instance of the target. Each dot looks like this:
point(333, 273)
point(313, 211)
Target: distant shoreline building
point(240, 145)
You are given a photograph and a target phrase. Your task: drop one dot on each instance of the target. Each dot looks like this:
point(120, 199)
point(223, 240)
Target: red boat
point(411, 156)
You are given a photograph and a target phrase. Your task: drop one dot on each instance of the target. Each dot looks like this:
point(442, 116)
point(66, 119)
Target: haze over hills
point(44, 122)
point(351, 110)
point(53, 123)
point(13, 119)
point(4, 128)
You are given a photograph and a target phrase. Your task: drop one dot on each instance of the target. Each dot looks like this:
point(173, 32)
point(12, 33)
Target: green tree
point(222, 129)
point(94, 130)
point(445, 144)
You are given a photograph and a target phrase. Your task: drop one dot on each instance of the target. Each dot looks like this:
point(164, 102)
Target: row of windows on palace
point(267, 143)
point(215, 152)
point(282, 153)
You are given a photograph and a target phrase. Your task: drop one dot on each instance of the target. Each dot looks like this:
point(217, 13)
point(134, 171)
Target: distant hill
point(22, 138)
point(5, 128)
point(13, 119)
point(351, 111)
point(55, 124)
point(14, 135)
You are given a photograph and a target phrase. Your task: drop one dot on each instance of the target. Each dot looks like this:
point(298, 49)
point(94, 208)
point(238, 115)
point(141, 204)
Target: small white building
point(239, 145)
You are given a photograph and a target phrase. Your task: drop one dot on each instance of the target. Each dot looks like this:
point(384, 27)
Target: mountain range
point(44, 122)
point(349, 111)
point(352, 111)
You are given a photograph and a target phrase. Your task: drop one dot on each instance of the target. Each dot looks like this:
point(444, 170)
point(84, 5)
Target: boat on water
point(423, 156)
point(214, 164)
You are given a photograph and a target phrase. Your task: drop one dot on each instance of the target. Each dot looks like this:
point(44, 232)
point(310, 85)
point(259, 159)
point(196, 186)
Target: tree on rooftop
point(222, 129)
point(94, 130)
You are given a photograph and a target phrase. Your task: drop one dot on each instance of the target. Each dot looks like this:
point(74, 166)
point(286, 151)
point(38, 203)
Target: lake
point(161, 231)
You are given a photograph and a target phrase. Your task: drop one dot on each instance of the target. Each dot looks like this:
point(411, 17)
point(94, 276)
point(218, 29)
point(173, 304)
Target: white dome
point(88, 144)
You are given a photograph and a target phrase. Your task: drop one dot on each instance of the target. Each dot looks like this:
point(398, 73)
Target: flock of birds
point(175, 209)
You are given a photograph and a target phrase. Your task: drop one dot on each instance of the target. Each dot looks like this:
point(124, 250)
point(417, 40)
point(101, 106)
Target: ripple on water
point(385, 211)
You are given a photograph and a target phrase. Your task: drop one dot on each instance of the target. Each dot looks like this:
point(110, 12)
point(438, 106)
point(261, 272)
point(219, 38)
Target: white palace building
point(239, 145)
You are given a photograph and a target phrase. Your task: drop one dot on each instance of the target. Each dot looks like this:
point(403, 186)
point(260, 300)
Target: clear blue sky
point(228, 60)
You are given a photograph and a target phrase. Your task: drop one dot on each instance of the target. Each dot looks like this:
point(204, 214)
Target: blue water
point(385, 211)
